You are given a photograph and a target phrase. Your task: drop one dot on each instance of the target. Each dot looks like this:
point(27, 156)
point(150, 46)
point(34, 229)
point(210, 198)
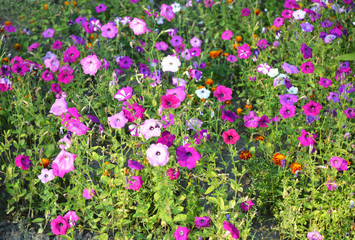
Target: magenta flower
point(48, 33)
point(289, 99)
point(101, 8)
point(23, 162)
point(46, 175)
point(306, 139)
point(166, 138)
point(244, 51)
point(182, 233)
point(176, 41)
point(223, 93)
point(123, 94)
point(187, 156)
point(231, 58)
point(229, 116)
point(251, 120)
point(76, 127)
point(173, 173)
point(20, 68)
point(287, 13)
point(52, 63)
point(168, 121)
point(232, 229)
point(125, 63)
point(57, 44)
point(63, 163)
point(306, 51)
point(245, 12)
point(151, 128)
point(161, 46)
point(230, 136)
point(178, 92)
point(314, 236)
point(278, 22)
point(263, 121)
point(307, 67)
point(55, 87)
point(59, 107)
point(287, 111)
point(88, 193)
point(90, 64)
point(65, 76)
point(202, 135)
point(325, 82)
point(138, 26)
point(331, 185)
point(109, 30)
point(133, 112)
point(158, 154)
point(339, 163)
point(312, 108)
point(60, 225)
point(135, 165)
point(118, 120)
point(135, 183)
point(33, 46)
point(167, 12)
point(47, 75)
point(169, 101)
point(262, 44)
point(350, 112)
point(202, 222)
point(70, 55)
point(71, 217)
point(247, 205)
point(226, 35)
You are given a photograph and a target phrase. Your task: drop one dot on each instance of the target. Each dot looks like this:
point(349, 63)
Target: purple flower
point(290, 69)
point(118, 120)
point(109, 30)
point(135, 183)
point(288, 99)
point(325, 82)
point(23, 162)
point(339, 163)
point(101, 8)
point(187, 156)
point(125, 63)
point(47, 75)
point(229, 115)
point(167, 121)
point(161, 46)
point(306, 51)
point(306, 27)
point(176, 41)
point(331, 185)
point(70, 55)
point(350, 112)
point(329, 38)
point(306, 139)
point(158, 154)
point(202, 222)
point(287, 111)
point(251, 120)
point(201, 135)
point(166, 138)
point(263, 120)
point(135, 165)
point(48, 33)
point(326, 23)
point(333, 96)
point(193, 124)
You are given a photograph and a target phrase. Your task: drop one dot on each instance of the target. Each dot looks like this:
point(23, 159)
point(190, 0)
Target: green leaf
point(180, 218)
point(37, 220)
point(210, 189)
point(347, 57)
point(49, 150)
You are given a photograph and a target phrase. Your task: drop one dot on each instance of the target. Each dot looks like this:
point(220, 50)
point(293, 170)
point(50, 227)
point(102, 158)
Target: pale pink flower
point(90, 64)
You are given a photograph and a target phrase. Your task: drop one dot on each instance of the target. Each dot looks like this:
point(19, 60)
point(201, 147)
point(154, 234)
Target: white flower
point(176, 7)
point(170, 64)
point(299, 14)
point(203, 93)
point(263, 68)
point(278, 35)
point(292, 90)
point(160, 20)
point(273, 72)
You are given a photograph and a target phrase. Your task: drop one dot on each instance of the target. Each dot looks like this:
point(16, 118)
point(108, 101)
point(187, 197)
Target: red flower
point(230, 136)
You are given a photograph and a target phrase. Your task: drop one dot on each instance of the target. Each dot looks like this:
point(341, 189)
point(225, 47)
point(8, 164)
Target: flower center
point(230, 137)
point(181, 233)
point(222, 95)
point(46, 175)
point(60, 224)
point(151, 128)
point(157, 153)
point(189, 154)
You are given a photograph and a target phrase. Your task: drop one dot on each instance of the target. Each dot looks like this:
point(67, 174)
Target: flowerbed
point(189, 120)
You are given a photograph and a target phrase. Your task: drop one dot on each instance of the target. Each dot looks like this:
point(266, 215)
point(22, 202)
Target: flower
point(203, 93)
point(263, 120)
point(278, 22)
point(178, 92)
point(289, 99)
point(223, 93)
point(181, 233)
point(23, 162)
point(277, 158)
point(158, 154)
point(52, 63)
point(69, 55)
point(231, 58)
point(138, 26)
point(168, 121)
point(244, 51)
point(312, 108)
point(226, 35)
point(333, 96)
point(306, 27)
point(101, 8)
point(292, 90)
point(306, 51)
point(167, 12)
point(251, 120)
point(88, 193)
point(195, 42)
point(135, 165)
point(245, 12)
point(125, 63)
point(173, 173)
point(247, 205)
point(46, 175)
point(314, 236)
point(90, 64)
point(136, 183)
point(263, 68)
point(63, 163)
point(169, 101)
point(325, 82)
point(232, 229)
point(202, 135)
point(59, 107)
point(339, 163)
point(201, 222)
point(166, 138)
point(133, 112)
point(331, 185)
point(262, 44)
point(296, 167)
point(245, 155)
point(150, 128)
point(306, 139)
point(60, 225)
point(287, 111)
point(33, 46)
point(307, 67)
point(229, 115)
point(290, 69)
point(170, 64)
point(193, 124)
point(123, 94)
point(118, 120)
point(273, 72)
point(48, 33)
point(230, 136)
point(161, 46)
point(109, 30)
point(187, 156)
point(299, 14)
point(71, 218)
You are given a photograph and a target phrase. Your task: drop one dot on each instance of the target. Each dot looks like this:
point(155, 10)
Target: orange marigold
point(239, 111)
point(238, 38)
point(225, 54)
point(245, 155)
point(5, 60)
point(235, 46)
point(7, 23)
point(277, 158)
point(45, 162)
point(209, 81)
point(257, 12)
point(45, 6)
point(17, 46)
point(260, 138)
point(213, 89)
point(216, 54)
point(247, 106)
point(227, 102)
point(66, 3)
point(296, 166)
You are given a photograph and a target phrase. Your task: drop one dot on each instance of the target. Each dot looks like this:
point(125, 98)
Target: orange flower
point(213, 89)
point(17, 46)
point(227, 102)
point(88, 46)
point(106, 173)
point(260, 138)
point(66, 3)
point(45, 6)
point(255, 36)
point(257, 12)
point(312, 96)
point(216, 54)
point(230, 1)
point(274, 28)
point(277, 158)
point(199, 87)
point(245, 155)
point(296, 166)
point(238, 38)
point(106, 163)
point(5, 60)
point(225, 54)
point(209, 81)
point(7, 23)
point(239, 111)
point(75, 3)
point(247, 106)
point(45, 162)
point(203, 100)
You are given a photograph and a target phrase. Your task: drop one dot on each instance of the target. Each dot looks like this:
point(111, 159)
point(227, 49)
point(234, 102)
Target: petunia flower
point(202, 135)
point(23, 162)
point(158, 154)
point(290, 69)
point(331, 185)
point(133, 112)
point(150, 128)
point(135, 183)
point(251, 120)
point(59, 107)
point(182, 233)
point(231, 229)
point(226, 35)
point(244, 51)
point(138, 26)
point(48, 33)
point(306, 27)
point(263, 121)
point(314, 236)
point(187, 156)
point(306, 139)
point(170, 64)
point(307, 67)
point(195, 42)
point(135, 165)
point(339, 163)
point(161, 46)
point(70, 55)
point(167, 12)
point(223, 93)
point(118, 120)
point(123, 94)
point(173, 173)
point(230, 136)
point(263, 68)
point(306, 51)
point(312, 108)
point(203, 93)
point(63, 163)
point(166, 138)
point(90, 64)
point(46, 175)
point(350, 112)
point(325, 82)
point(229, 116)
point(60, 225)
point(287, 111)
point(47, 75)
point(247, 205)
point(202, 222)
point(88, 193)
point(101, 8)
point(109, 30)
point(245, 12)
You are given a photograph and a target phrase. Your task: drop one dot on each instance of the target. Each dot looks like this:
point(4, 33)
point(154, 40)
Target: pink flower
point(167, 12)
point(307, 67)
point(339, 163)
point(232, 229)
point(245, 12)
point(60, 225)
point(133, 112)
point(251, 120)
point(52, 63)
point(33, 46)
point(306, 139)
point(314, 236)
point(101, 8)
point(70, 55)
point(109, 30)
point(90, 64)
point(246, 206)
point(195, 42)
point(262, 44)
point(169, 101)
point(231, 58)
point(223, 93)
point(202, 222)
point(23, 162)
point(158, 154)
point(173, 173)
point(325, 82)
point(187, 156)
point(135, 183)
point(278, 22)
point(123, 94)
point(178, 92)
point(244, 51)
point(151, 128)
point(47, 75)
point(71, 217)
point(57, 44)
point(138, 26)
point(118, 120)
point(63, 163)
point(59, 107)
point(88, 193)
point(331, 185)
point(287, 111)
point(230, 136)
point(312, 108)
point(226, 35)
point(182, 233)
point(77, 127)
